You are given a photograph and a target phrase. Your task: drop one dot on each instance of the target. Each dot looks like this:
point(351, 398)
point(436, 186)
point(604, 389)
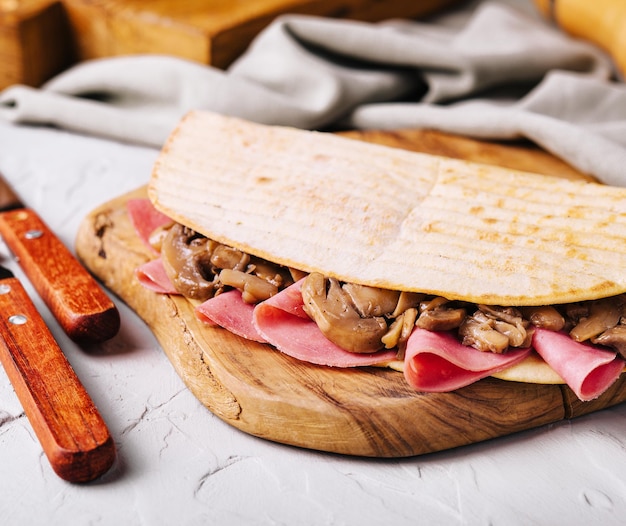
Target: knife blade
point(69, 427)
point(83, 310)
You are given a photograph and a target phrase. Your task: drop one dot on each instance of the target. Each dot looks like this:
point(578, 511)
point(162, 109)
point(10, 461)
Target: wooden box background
point(41, 38)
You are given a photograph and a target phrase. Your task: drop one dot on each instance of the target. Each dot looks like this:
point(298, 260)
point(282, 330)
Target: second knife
point(76, 300)
point(72, 433)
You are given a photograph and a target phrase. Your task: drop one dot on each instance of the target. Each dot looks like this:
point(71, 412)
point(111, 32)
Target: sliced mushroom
point(615, 337)
point(508, 321)
point(371, 301)
point(574, 312)
point(336, 316)
point(508, 314)
point(296, 275)
point(187, 263)
point(253, 288)
point(400, 330)
point(477, 331)
point(223, 256)
point(603, 314)
point(270, 272)
point(441, 319)
point(546, 317)
point(406, 301)
point(517, 335)
point(435, 315)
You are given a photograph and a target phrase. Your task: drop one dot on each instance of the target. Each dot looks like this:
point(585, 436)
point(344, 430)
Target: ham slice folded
point(152, 275)
point(283, 323)
point(145, 219)
point(588, 370)
point(437, 362)
point(228, 310)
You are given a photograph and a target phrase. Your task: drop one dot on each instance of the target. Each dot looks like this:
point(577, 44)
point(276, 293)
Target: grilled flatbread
point(385, 217)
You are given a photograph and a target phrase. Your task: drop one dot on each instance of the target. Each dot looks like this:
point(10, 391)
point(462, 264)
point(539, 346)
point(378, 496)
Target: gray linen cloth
point(490, 69)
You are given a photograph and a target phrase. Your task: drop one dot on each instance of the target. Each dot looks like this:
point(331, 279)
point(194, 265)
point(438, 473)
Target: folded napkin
point(489, 70)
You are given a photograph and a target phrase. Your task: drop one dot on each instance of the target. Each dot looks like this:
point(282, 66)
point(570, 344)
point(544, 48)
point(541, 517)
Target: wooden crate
point(34, 41)
point(39, 38)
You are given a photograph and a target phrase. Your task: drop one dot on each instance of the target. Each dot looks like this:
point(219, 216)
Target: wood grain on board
point(367, 412)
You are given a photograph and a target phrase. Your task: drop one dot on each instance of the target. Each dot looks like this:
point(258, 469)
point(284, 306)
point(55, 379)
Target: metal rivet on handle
point(4, 288)
point(18, 319)
point(33, 234)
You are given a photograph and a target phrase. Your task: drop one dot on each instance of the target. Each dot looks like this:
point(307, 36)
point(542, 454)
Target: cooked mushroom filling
point(365, 319)
point(201, 268)
point(357, 318)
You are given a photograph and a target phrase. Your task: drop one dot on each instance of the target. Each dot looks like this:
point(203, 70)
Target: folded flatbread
point(384, 217)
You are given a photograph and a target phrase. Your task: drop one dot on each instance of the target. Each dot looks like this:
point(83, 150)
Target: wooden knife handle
point(71, 431)
point(80, 305)
point(602, 22)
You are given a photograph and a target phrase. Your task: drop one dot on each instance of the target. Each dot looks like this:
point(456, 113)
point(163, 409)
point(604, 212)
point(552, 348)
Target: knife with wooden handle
point(72, 433)
point(73, 296)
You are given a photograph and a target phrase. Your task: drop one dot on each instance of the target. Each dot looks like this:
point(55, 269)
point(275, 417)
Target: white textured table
point(179, 464)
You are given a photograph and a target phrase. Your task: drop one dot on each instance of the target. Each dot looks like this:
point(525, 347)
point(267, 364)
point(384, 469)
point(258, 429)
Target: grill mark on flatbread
point(390, 218)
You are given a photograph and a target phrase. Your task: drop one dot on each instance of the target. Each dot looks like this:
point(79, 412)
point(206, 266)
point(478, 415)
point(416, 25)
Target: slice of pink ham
point(587, 369)
point(228, 310)
point(282, 321)
point(145, 218)
point(437, 362)
point(152, 275)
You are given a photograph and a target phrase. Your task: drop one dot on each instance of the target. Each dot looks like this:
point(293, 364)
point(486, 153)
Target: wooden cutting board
point(41, 38)
point(367, 412)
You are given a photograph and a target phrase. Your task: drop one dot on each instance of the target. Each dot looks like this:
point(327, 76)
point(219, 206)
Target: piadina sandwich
point(347, 254)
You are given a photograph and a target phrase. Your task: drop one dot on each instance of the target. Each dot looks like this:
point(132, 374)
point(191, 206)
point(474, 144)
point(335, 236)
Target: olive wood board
point(368, 412)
